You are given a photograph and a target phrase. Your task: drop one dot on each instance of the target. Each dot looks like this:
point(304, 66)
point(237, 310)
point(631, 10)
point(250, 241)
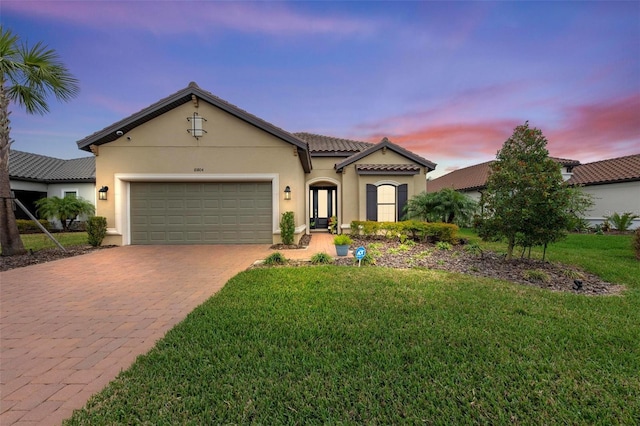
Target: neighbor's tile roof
point(621, 169)
point(319, 144)
point(467, 179)
point(40, 168)
point(475, 177)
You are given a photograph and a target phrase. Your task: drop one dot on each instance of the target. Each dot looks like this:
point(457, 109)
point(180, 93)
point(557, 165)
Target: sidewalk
point(320, 242)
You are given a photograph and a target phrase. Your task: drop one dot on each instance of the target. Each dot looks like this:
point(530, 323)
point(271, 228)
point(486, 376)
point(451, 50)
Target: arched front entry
point(322, 203)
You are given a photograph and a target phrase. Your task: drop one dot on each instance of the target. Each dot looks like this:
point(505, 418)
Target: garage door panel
point(201, 213)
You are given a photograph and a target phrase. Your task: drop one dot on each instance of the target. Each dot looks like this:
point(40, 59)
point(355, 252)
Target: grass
point(329, 344)
point(41, 241)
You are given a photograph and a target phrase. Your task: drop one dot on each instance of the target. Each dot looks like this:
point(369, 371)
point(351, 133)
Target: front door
point(322, 206)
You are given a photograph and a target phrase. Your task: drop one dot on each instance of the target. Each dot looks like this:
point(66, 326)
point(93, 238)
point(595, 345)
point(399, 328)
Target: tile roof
point(621, 169)
point(40, 168)
point(383, 144)
point(319, 144)
point(387, 168)
point(467, 179)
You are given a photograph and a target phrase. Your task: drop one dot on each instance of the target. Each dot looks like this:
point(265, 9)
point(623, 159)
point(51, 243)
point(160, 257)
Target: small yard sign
point(361, 252)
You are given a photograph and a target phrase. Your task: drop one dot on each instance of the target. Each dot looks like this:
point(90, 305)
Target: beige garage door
point(201, 213)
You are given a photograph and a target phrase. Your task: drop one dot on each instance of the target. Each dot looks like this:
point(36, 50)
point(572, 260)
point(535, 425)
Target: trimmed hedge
point(413, 229)
point(287, 228)
point(28, 225)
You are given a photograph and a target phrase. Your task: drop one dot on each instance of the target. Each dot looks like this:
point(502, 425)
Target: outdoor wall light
point(102, 193)
point(287, 193)
point(196, 129)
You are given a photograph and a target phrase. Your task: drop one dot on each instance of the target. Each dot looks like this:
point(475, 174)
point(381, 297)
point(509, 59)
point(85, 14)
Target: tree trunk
point(9, 234)
point(510, 245)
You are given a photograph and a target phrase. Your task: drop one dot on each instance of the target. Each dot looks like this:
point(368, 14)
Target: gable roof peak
point(386, 143)
point(193, 84)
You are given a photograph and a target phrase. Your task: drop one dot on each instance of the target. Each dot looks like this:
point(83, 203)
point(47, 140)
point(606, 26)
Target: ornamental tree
point(28, 75)
point(526, 201)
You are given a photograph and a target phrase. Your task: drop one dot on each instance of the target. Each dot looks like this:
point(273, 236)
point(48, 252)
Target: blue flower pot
point(342, 250)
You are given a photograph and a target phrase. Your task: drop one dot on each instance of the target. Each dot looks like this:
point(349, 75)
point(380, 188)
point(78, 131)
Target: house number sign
point(198, 169)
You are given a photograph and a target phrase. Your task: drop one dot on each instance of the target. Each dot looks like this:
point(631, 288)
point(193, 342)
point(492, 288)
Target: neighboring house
point(194, 169)
point(614, 184)
point(34, 176)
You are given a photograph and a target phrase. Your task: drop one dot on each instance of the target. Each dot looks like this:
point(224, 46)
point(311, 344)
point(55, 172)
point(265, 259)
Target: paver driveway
point(69, 327)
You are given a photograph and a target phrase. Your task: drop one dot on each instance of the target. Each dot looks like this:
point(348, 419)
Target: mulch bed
point(422, 255)
point(557, 277)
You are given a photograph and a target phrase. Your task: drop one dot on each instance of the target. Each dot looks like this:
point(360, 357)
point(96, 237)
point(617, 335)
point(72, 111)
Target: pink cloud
point(193, 17)
point(598, 131)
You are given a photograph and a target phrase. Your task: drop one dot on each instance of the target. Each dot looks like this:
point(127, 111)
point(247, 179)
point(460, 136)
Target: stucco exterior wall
point(354, 200)
point(611, 198)
point(19, 185)
point(163, 150)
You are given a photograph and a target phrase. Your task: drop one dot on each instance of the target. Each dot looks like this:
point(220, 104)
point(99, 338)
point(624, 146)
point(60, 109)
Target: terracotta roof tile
point(475, 177)
point(621, 169)
point(328, 144)
point(387, 168)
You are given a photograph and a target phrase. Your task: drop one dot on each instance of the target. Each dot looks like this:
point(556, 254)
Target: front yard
point(335, 344)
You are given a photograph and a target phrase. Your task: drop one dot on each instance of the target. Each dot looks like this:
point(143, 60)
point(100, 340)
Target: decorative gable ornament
point(196, 129)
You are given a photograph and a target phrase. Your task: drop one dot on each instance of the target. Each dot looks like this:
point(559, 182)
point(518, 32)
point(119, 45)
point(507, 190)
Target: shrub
point(622, 222)
point(96, 230)
point(287, 228)
point(413, 229)
point(636, 243)
point(25, 225)
point(342, 240)
point(321, 258)
point(275, 258)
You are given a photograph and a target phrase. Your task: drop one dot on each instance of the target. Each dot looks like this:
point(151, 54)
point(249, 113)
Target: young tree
point(65, 209)
point(526, 201)
point(28, 75)
point(446, 205)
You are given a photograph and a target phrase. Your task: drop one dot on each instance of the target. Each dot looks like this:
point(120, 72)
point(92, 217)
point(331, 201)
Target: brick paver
point(69, 327)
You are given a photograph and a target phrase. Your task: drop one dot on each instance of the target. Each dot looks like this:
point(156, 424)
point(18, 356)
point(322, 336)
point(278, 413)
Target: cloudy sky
point(447, 80)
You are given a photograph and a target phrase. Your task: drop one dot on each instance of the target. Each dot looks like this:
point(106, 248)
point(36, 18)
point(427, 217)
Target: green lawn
point(372, 345)
point(39, 241)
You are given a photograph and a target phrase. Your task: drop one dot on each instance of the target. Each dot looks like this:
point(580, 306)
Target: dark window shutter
point(403, 191)
point(372, 202)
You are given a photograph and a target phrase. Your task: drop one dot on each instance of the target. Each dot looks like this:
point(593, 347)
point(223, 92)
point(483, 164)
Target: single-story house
point(613, 183)
point(195, 169)
point(33, 176)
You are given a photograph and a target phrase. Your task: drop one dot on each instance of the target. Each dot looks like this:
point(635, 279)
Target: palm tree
point(27, 76)
point(446, 205)
point(65, 209)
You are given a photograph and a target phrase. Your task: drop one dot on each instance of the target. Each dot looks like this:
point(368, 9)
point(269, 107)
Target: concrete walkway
point(68, 327)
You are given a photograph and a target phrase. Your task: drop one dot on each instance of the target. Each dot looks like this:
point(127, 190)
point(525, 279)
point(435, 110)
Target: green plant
point(636, 243)
point(333, 224)
point(287, 228)
point(623, 221)
point(65, 209)
point(275, 258)
point(368, 259)
point(536, 275)
point(572, 274)
point(28, 76)
point(473, 248)
point(443, 245)
point(447, 205)
point(96, 230)
point(342, 240)
point(321, 258)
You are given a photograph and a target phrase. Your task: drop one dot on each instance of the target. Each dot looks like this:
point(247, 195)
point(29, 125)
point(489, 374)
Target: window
point(386, 203)
point(73, 194)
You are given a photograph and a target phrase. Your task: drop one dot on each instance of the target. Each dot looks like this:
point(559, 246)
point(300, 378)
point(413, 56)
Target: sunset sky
point(447, 80)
